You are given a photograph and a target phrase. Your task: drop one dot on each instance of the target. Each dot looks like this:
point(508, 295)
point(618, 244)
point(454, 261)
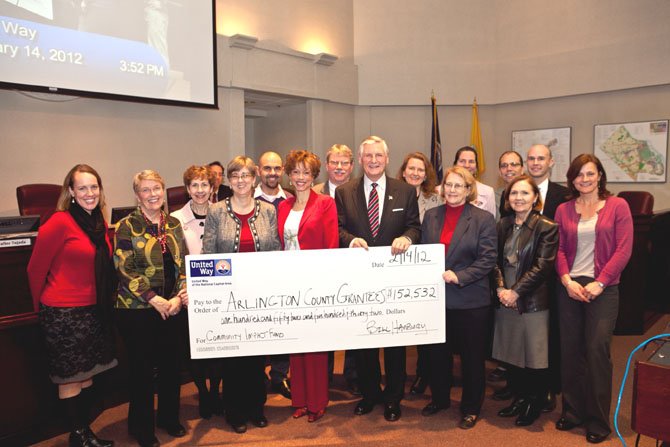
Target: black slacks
point(369, 374)
point(467, 333)
point(151, 342)
point(586, 370)
point(244, 391)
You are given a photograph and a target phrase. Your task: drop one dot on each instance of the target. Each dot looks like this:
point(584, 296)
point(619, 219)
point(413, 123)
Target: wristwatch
point(602, 286)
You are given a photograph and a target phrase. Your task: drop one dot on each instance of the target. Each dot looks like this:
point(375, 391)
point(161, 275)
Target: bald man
point(539, 162)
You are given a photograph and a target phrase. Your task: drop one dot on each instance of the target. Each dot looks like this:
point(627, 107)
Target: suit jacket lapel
point(389, 202)
point(460, 230)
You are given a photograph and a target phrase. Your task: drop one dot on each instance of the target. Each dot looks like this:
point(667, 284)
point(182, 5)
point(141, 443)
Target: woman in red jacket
point(72, 278)
point(307, 221)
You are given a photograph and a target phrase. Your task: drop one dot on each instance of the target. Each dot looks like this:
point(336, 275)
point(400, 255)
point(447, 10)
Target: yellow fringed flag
point(476, 139)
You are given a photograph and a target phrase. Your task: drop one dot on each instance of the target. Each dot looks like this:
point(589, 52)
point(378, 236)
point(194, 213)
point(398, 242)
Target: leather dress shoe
point(259, 421)
point(363, 407)
point(238, 427)
point(149, 442)
point(497, 375)
point(176, 430)
point(84, 437)
point(419, 385)
point(529, 414)
point(595, 438)
point(516, 408)
point(504, 393)
point(564, 424)
point(282, 388)
point(144, 440)
point(549, 403)
point(468, 421)
point(392, 411)
point(432, 408)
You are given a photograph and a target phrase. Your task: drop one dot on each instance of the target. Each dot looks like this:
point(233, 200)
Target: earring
point(72, 200)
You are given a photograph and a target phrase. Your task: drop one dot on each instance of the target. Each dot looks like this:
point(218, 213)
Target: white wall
point(283, 129)
point(507, 50)
point(407, 128)
point(42, 139)
point(498, 51)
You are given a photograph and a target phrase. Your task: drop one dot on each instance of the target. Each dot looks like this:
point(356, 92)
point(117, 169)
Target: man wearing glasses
point(340, 165)
point(510, 165)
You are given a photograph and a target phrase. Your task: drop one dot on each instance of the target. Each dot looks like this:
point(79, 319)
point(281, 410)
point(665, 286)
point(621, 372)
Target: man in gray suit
point(340, 165)
point(376, 210)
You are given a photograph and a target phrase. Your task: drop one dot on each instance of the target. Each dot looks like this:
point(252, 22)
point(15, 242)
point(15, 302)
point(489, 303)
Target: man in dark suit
point(219, 190)
point(510, 165)
point(376, 210)
point(539, 162)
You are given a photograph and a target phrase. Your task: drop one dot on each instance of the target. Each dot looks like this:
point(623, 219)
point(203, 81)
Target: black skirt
point(78, 347)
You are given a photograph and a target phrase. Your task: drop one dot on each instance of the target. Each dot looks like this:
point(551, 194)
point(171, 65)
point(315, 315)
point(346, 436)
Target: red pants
point(309, 380)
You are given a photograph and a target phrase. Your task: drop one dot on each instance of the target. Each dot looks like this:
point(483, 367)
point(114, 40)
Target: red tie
point(373, 211)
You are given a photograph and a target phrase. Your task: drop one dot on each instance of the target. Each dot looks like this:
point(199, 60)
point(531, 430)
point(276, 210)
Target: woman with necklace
point(596, 242)
point(72, 281)
point(149, 257)
point(242, 224)
point(199, 182)
point(527, 245)
point(307, 221)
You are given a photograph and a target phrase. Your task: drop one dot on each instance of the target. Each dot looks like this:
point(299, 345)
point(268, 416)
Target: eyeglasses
point(156, 190)
point(509, 165)
point(344, 164)
point(243, 176)
point(454, 186)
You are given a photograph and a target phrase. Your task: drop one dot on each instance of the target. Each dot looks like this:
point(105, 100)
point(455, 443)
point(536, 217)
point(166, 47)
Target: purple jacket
point(614, 239)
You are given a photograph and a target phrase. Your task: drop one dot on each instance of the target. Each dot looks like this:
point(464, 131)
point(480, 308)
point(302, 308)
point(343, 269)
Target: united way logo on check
point(211, 267)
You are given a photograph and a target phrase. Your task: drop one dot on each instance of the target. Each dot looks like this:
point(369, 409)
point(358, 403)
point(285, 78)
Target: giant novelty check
point(314, 300)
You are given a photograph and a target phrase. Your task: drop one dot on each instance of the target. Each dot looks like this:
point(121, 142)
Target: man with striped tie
point(376, 210)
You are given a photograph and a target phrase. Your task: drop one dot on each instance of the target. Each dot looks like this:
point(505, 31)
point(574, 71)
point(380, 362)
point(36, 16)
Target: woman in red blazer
point(307, 221)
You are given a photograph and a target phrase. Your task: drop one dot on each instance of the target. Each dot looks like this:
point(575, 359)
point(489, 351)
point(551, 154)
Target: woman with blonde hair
point(469, 237)
point(149, 258)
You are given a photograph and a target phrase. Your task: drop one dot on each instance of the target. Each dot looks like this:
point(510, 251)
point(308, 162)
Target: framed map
point(633, 152)
point(558, 140)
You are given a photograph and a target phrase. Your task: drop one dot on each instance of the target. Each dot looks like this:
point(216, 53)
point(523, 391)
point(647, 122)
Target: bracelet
point(602, 286)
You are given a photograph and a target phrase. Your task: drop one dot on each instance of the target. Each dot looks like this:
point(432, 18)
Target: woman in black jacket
point(527, 246)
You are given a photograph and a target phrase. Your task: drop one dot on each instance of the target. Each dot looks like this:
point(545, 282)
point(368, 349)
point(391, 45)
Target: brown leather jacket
point(538, 244)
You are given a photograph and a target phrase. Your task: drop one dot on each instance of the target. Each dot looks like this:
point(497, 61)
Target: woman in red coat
point(307, 221)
